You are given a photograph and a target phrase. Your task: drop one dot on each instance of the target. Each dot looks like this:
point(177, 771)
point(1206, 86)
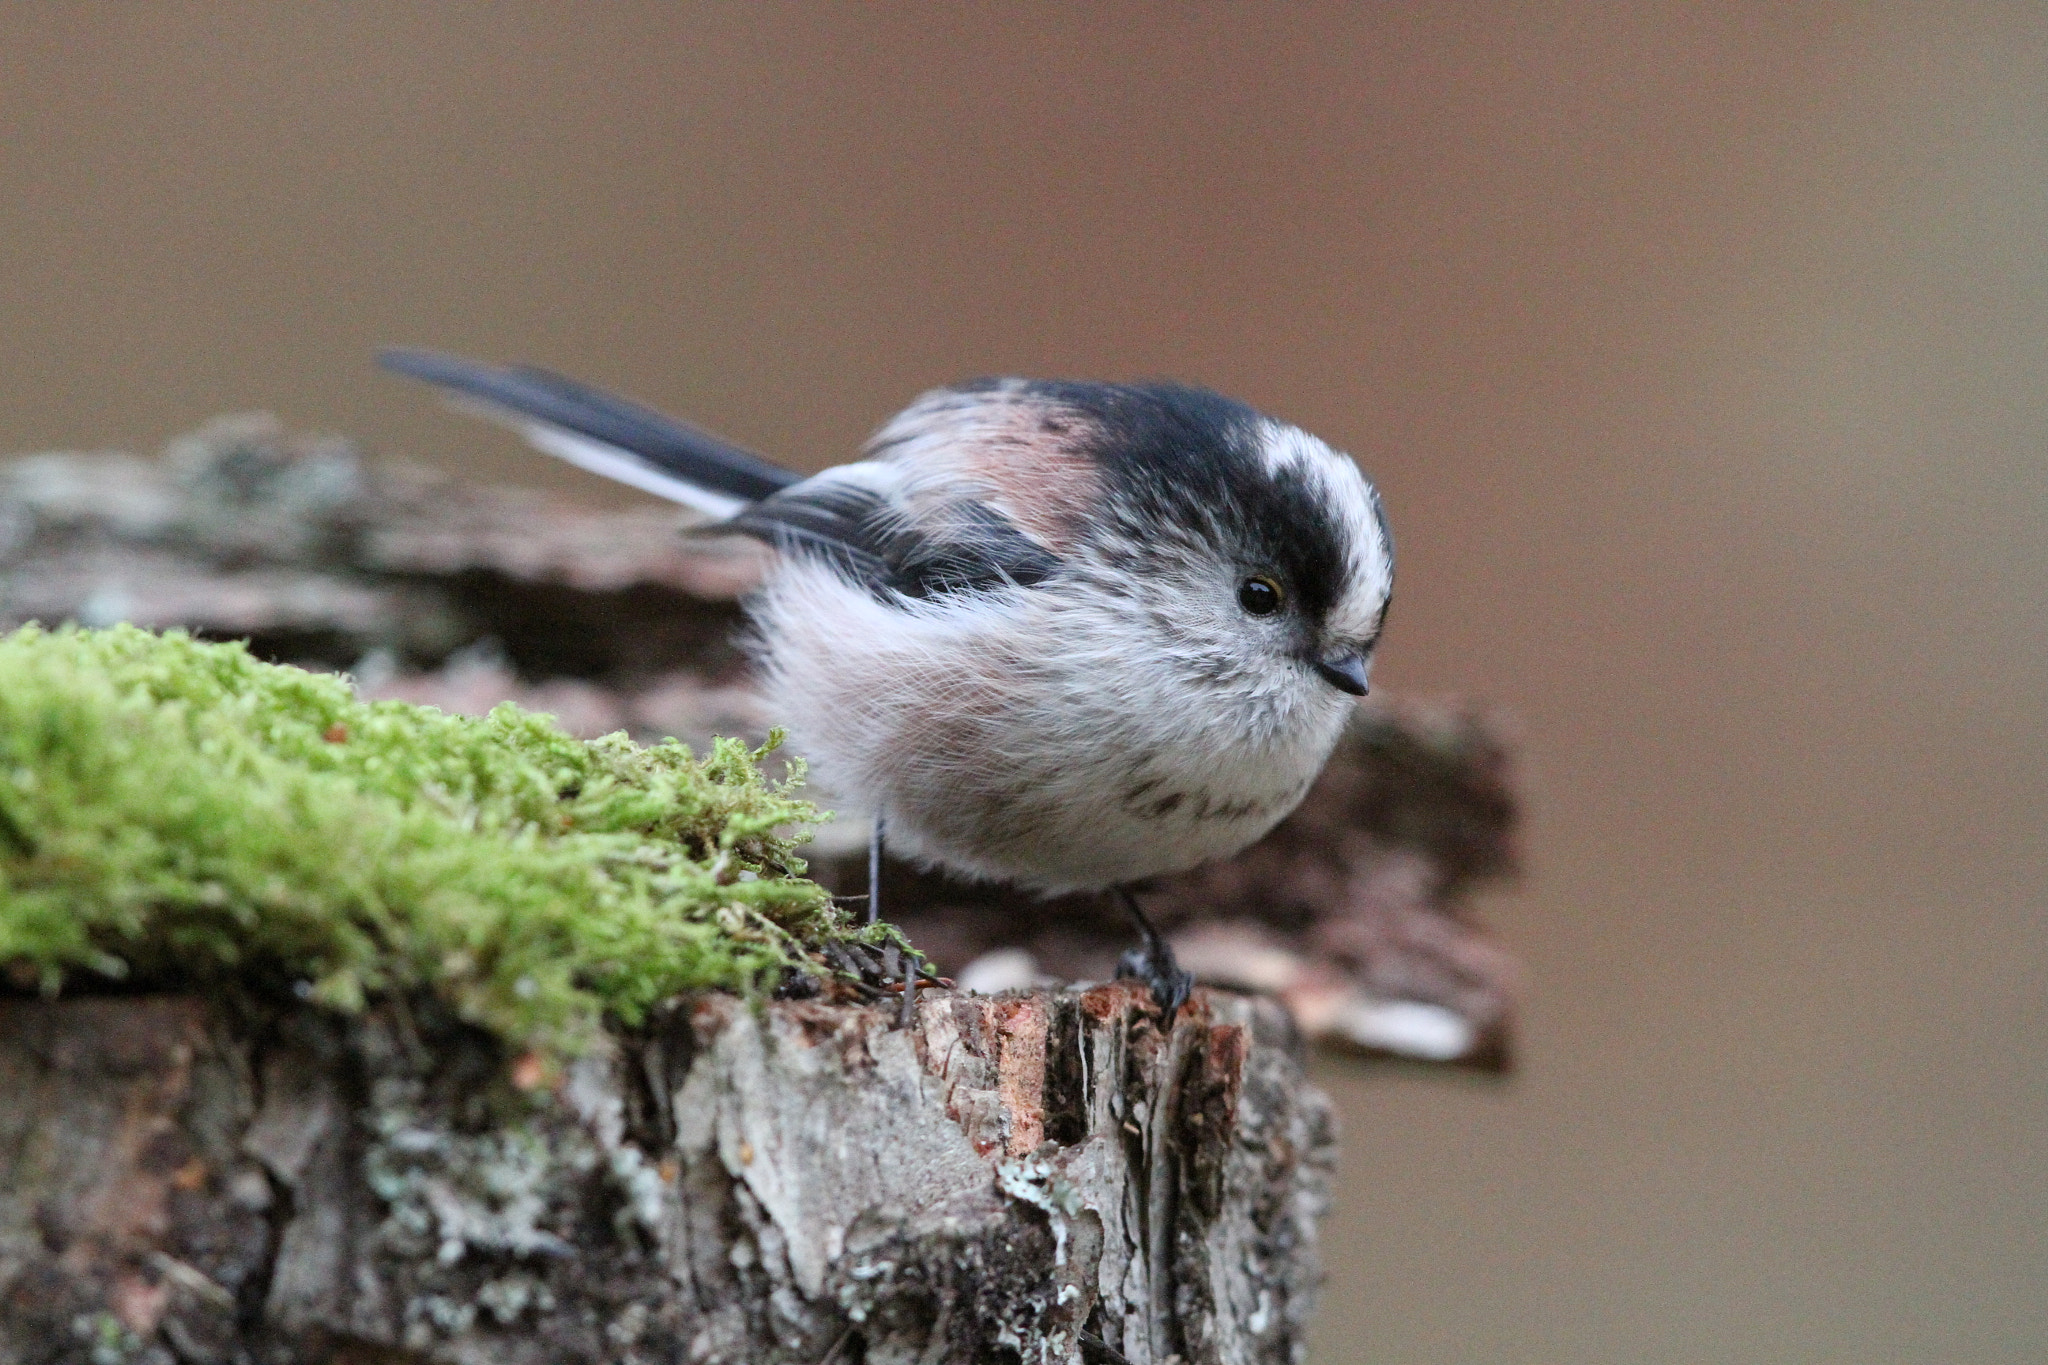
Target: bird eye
point(1259, 595)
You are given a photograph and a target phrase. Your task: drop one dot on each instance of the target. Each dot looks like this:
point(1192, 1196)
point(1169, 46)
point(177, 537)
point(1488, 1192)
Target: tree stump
point(1053, 1175)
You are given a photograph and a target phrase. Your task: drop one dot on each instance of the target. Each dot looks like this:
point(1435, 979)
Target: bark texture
point(1036, 1176)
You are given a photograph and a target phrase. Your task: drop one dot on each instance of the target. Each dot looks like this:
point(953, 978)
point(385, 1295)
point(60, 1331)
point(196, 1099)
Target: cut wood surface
point(1037, 1176)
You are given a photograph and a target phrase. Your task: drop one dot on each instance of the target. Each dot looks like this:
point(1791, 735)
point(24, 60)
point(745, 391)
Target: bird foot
point(1151, 961)
point(1153, 964)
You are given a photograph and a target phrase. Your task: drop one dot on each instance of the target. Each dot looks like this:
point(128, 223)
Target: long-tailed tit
point(1064, 635)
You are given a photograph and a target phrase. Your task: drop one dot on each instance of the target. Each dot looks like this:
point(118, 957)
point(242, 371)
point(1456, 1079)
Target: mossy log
point(252, 1175)
point(1042, 1176)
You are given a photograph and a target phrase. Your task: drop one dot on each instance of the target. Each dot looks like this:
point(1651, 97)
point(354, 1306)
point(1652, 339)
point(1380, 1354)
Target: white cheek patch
point(1354, 502)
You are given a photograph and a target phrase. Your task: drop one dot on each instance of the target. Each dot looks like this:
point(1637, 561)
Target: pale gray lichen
point(448, 1194)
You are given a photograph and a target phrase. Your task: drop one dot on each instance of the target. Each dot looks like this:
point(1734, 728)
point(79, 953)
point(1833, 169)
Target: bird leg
point(875, 870)
point(909, 1009)
point(1151, 961)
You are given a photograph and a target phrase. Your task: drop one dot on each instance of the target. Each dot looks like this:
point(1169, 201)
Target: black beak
point(1345, 672)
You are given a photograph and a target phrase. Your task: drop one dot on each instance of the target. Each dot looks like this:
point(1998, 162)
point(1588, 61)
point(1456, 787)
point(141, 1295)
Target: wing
point(841, 515)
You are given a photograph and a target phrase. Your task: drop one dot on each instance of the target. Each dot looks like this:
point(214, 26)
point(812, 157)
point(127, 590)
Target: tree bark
point(1035, 1176)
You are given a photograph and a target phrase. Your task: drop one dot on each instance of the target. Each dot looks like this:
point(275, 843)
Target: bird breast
point(1010, 739)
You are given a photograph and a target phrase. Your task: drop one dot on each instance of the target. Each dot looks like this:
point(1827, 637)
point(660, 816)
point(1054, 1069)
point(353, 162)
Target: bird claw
point(1153, 964)
point(1152, 961)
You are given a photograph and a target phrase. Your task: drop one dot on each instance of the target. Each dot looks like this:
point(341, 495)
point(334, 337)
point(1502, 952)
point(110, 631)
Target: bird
point(1066, 635)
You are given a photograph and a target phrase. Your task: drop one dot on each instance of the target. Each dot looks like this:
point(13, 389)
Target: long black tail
point(603, 432)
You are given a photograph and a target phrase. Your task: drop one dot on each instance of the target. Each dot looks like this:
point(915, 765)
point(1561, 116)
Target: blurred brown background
point(1702, 352)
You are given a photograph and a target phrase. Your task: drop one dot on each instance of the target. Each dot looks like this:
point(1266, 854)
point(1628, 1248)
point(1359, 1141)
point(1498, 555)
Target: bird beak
point(1345, 672)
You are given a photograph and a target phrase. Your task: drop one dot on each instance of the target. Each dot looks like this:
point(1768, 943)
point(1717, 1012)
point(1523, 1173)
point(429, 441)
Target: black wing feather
point(978, 549)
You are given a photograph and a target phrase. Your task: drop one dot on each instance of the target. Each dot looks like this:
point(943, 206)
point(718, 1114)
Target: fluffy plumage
point(1020, 623)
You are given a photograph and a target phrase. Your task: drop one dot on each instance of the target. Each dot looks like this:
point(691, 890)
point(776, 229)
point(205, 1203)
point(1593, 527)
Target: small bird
point(1064, 635)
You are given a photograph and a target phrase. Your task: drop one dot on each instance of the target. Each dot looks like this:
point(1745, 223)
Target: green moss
point(176, 810)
